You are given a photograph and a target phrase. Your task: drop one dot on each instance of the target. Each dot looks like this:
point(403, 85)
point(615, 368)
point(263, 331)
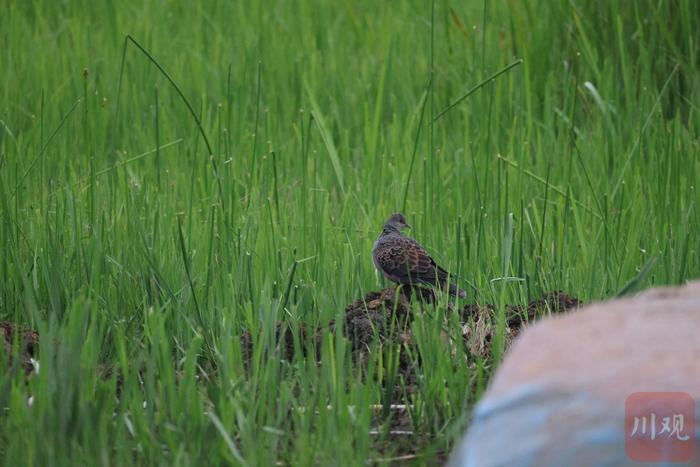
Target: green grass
point(125, 244)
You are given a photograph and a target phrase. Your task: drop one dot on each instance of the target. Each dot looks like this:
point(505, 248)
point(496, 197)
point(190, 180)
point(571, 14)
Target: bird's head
point(397, 221)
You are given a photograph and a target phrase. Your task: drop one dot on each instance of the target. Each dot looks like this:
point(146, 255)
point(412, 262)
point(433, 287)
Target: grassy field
point(144, 232)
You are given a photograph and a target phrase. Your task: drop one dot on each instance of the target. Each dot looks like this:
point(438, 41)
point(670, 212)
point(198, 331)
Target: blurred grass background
point(128, 245)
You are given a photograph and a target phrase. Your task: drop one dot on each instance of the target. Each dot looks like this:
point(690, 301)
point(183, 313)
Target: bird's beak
point(408, 226)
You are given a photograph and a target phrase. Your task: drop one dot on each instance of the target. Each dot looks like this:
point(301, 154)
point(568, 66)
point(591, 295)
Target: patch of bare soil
point(383, 319)
point(27, 341)
point(373, 314)
point(377, 319)
point(479, 321)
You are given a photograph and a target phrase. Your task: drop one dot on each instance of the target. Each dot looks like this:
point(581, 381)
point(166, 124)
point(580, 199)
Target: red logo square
point(660, 426)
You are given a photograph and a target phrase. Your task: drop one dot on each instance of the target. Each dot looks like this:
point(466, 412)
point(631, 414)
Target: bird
point(404, 261)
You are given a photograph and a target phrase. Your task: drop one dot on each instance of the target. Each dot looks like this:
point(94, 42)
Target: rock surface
point(559, 396)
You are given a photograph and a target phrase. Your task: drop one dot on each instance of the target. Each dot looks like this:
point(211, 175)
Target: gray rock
point(558, 399)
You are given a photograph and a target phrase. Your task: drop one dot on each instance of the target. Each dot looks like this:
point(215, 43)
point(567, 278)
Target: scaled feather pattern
point(404, 261)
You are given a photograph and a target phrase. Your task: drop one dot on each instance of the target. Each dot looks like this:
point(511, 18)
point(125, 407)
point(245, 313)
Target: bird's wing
point(407, 261)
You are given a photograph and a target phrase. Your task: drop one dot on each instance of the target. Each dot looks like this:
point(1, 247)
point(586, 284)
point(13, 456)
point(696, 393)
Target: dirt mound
point(479, 321)
point(373, 315)
point(384, 317)
point(377, 319)
point(27, 339)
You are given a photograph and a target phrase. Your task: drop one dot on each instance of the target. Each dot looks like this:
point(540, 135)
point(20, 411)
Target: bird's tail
point(457, 292)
